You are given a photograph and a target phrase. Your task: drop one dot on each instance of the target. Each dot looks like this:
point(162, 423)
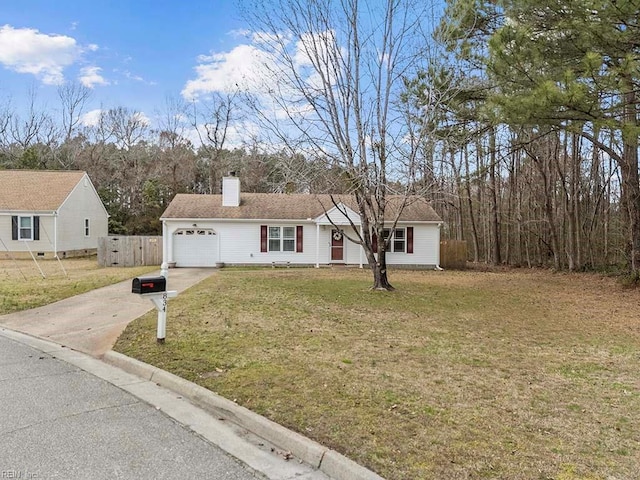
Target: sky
point(144, 54)
point(130, 53)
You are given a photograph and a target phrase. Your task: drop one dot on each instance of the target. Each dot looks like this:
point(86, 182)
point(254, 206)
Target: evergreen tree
point(567, 64)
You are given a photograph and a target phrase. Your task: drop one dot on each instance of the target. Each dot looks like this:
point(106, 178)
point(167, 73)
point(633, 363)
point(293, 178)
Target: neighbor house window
point(25, 229)
point(87, 231)
point(282, 239)
point(399, 240)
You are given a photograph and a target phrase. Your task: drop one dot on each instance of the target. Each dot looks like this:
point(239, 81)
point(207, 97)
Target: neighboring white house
point(50, 212)
point(301, 229)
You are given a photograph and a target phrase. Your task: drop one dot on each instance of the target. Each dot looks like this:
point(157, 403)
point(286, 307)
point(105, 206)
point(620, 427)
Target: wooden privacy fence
point(122, 251)
point(453, 254)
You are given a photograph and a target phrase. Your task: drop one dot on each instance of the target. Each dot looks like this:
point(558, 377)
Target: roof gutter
point(47, 213)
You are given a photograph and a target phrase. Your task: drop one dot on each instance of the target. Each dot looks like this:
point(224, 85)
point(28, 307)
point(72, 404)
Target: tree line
point(536, 151)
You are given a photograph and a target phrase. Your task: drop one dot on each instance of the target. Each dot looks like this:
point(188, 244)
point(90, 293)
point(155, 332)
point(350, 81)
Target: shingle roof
point(281, 206)
point(36, 190)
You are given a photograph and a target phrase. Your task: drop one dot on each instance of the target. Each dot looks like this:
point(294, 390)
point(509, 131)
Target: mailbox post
point(155, 289)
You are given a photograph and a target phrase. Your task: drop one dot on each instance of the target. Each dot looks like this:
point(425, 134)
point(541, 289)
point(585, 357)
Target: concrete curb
point(328, 461)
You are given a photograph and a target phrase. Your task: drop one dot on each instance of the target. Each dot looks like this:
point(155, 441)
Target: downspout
point(55, 234)
point(438, 267)
point(164, 268)
point(317, 245)
point(361, 248)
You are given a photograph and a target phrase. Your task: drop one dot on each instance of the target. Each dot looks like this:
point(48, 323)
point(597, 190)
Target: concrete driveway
point(93, 321)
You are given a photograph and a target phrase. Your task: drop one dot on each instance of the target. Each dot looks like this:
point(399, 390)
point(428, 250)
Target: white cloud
point(142, 118)
point(26, 50)
point(131, 76)
point(262, 68)
point(254, 67)
point(243, 67)
point(90, 77)
point(314, 45)
point(181, 117)
point(235, 136)
point(92, 118)
point(138, 78)
point(240, 32)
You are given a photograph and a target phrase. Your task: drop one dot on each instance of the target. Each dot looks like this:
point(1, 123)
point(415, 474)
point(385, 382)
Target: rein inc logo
point(17, 474)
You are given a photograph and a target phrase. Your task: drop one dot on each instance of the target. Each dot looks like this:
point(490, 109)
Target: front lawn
point(22, 285)
point(456, 375)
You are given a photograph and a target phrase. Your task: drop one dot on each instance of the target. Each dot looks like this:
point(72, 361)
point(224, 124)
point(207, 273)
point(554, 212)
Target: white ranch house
point(289, 229)
point(48, 213)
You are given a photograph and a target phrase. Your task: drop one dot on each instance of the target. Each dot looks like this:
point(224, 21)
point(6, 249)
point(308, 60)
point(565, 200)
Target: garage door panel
point(195, 248)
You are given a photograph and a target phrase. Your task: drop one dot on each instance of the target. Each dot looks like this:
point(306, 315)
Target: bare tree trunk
point(513, 235)
point(597, 213)
point(548, 202)
point(567, 201)
point(495, 213)
point(575, 199)
point(630, 178)
point(380, 277)
point(474, 229)
point(607, 214)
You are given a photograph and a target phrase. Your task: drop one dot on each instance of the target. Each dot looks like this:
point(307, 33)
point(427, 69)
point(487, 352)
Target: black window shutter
point(14, 227)
point(263, 238)
point(299, 239)
point(36, 228)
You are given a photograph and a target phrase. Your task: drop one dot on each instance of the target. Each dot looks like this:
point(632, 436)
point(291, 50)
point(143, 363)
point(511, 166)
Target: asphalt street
point(59, 421)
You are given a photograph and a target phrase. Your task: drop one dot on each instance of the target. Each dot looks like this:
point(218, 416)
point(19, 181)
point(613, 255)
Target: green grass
point(22, 285)
point(455, 375)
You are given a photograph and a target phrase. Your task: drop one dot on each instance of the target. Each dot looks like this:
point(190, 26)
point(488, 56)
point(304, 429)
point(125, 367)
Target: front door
point(337, 246)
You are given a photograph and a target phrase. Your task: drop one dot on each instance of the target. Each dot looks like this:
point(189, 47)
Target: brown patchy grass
point(456, 375)
point(22, 286)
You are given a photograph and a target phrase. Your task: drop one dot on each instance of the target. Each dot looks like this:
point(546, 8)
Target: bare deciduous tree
point(334, 75)
point(73, 98)
point(211, 118)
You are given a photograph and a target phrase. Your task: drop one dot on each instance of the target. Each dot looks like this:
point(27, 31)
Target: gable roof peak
point(36, 190)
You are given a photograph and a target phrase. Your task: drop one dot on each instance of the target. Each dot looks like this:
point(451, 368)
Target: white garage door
point(195, 248)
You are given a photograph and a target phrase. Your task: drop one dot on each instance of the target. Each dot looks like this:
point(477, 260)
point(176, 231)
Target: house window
point(87, 231)
point(25, 229)
point(282, 239)
point(398, 242)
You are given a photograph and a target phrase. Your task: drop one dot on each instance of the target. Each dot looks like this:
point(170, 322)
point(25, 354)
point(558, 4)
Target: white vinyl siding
point(81, 205)
point(239, 243)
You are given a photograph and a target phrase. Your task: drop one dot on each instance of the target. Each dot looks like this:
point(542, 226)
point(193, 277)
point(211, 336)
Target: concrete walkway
point(92, 322)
